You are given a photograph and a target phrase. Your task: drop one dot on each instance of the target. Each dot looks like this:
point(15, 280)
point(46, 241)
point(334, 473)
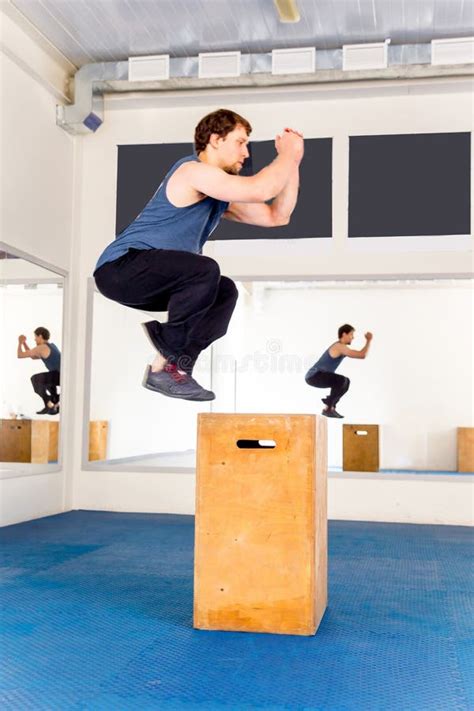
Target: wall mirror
point(31, 318)
point(278, 330)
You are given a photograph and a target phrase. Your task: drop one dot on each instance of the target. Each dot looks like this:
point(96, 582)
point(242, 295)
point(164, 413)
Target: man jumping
point(156, 264)
point(44, 384)
point(322, 374)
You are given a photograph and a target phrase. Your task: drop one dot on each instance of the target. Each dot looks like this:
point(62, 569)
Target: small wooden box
point(15, 440)
point(261, 523)
point(44, 441)
point(360, 448)
point(98, 431)
point(465, 449)
point(36, 441)
point(33, 441)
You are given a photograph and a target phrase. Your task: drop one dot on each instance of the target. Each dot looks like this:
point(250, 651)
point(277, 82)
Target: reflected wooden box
point(34, 441)
point(360, 446)
point(44, 441)
point(98, 432)
point(15, 440)
point(465, 441)
point(261, 523)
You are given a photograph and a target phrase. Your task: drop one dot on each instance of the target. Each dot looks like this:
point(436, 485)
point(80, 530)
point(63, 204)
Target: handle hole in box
point(256, 444)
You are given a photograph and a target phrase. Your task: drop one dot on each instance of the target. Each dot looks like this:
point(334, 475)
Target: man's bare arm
point(351, 353)
point(21, 347)
point(264, 185)
point(274, 215)
point(35, 353)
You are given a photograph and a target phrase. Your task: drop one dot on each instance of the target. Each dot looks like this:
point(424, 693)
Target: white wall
point(36, 178)
point(434, 106)
point(401, 498)
point(36, 194)
point(358, 497)
point(23, 498)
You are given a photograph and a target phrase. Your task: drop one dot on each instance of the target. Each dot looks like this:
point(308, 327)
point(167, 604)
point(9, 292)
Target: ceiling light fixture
point(287, 10)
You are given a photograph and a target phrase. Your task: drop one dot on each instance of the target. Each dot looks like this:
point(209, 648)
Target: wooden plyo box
point(36, 441)
point(33, 441)
point(360, 448)
point(465, 449)
point(98, 431)
point(15, 440)
point(44, 441)
point(261, 523)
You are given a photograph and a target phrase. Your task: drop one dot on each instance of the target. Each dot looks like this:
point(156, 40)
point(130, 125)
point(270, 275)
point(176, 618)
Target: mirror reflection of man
point(323, 373)
point(44, 384)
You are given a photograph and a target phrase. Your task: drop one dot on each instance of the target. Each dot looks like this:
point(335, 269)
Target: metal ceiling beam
point(93, 81)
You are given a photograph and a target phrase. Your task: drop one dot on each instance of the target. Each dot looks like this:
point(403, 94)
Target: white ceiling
point(88, 31)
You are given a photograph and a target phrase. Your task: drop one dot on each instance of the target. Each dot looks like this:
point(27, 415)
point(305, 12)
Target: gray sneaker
point(172, 383)
point(331, 412)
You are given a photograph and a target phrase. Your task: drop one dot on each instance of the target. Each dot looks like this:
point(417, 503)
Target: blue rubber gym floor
point(97, 614)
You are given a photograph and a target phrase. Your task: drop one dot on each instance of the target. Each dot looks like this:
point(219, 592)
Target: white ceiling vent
point(152, 68)
point(365, 56)
point(294, 61)
point(453, 51)
point(214, 65)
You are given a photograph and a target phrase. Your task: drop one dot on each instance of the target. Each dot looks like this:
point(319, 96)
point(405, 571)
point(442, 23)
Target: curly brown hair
point(346, 328)
point(222, 122)
point(43, 332)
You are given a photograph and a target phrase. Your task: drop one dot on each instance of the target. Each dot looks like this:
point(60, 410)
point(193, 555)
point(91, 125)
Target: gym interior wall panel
point(409, 185)
point(312, 216)
point(141, 169)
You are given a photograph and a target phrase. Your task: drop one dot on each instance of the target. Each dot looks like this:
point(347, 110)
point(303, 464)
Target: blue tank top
point(326, 364)
point(161, 225)
point(53, 361)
